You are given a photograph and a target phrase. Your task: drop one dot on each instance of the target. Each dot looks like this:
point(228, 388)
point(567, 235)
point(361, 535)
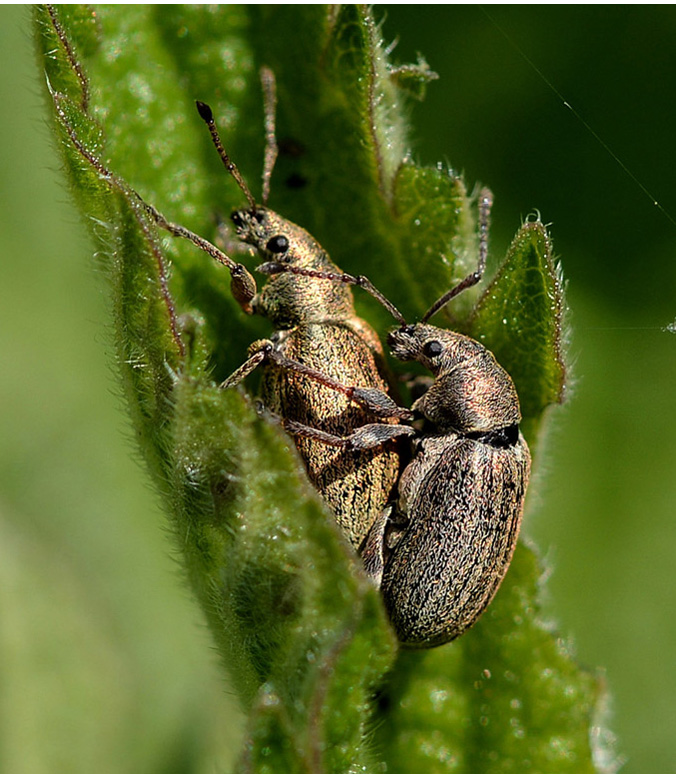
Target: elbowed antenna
point(275, 267)
point(207, 116)
point(485, 203)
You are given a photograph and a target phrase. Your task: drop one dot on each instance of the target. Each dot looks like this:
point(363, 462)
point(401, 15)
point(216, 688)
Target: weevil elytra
point(441, 548)
point(319, 344)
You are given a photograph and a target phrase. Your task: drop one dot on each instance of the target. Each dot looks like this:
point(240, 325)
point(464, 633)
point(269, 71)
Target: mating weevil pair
point(438, 536)
point(442, 546)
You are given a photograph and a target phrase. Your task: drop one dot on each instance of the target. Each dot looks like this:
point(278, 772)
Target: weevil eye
point(237, 219)
point(259, 215)
point(277, 244)
point(432, 349)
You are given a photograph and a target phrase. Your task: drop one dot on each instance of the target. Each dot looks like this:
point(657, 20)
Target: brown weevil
point(454, 525)
point(441, 548)
point(445, 545)
point(318, 345)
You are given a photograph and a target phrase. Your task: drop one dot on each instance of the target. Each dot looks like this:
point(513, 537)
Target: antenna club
point(205, 112)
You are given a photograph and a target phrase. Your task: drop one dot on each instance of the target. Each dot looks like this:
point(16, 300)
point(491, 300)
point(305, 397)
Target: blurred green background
point(94, 617)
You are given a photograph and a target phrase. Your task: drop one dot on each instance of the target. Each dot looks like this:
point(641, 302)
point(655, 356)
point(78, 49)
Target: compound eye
point(277, 244)
point(432, 349)
point(259, 215)
point(237, 219)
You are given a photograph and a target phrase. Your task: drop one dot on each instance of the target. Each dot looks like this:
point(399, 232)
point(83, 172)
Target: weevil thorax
point(471, 393)
point(288, 299)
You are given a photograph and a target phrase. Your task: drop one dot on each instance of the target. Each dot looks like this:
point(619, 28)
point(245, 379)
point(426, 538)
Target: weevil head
point(436, 349)
point(278, 239)
point(289, 298)
point(471, 391)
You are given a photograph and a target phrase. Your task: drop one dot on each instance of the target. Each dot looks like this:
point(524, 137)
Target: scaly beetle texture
point(318, 345)
point(454, 525)
point(441, 548)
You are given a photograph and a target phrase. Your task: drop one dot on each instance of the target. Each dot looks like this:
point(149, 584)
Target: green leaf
point(520, 319)
point(298, 626)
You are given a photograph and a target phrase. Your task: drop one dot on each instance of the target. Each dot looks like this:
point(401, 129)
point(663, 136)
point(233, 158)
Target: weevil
point(445, 545)
point(318, 345)
point(442, 546)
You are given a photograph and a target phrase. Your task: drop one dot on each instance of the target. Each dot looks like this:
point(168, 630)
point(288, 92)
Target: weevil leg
point(242, 284)
point(370, 398)
point(373, 549)
point(381, 540)
point(364, 438)
point(275, 267)
point(260, 353)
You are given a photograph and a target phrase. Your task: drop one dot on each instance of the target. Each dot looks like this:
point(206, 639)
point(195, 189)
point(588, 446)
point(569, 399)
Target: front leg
point(381, 540)
point(242, 284)
point(365, 437)
point(373, 400)
point(259, 353)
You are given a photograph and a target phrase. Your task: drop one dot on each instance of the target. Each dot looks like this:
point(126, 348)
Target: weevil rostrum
point(443, 545)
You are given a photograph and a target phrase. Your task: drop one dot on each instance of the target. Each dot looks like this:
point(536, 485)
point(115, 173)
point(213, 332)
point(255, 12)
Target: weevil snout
point(399, 335)
point(237, 219)
point(248, 222)
point(402, 342)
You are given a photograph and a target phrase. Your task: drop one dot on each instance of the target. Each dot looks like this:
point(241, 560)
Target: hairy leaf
point(298, 626)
